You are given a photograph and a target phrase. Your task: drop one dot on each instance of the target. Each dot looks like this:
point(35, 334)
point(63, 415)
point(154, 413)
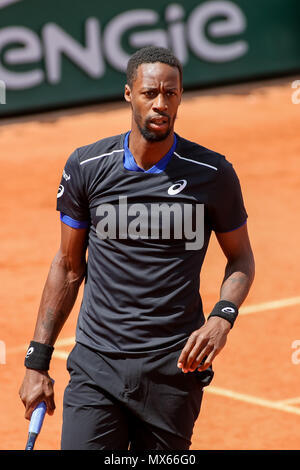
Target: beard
point(151, 135)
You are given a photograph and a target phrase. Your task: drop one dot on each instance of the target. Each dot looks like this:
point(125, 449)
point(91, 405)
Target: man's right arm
point(66, 273)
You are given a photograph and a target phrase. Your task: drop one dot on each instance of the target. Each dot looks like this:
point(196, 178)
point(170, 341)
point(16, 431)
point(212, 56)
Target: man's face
point(155, 96)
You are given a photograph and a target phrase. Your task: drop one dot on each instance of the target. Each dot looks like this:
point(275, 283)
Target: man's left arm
point(205, 343)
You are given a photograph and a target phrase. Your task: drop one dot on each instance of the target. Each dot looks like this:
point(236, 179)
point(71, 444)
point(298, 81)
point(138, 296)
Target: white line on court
point(290, 401)
point(65, 341)
point(269, 305)
point(59, 354)
point(280, 406)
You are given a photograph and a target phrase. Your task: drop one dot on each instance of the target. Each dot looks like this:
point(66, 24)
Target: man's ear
point(127, 93)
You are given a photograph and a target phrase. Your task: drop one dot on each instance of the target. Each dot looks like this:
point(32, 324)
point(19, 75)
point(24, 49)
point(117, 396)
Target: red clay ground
point(257, 127)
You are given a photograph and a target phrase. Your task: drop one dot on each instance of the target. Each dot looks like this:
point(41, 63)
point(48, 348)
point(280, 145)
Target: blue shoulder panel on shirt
point(72, 222)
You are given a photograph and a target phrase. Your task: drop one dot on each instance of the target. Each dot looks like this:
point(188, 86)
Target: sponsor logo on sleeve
point(60, 191)
point(66, 176)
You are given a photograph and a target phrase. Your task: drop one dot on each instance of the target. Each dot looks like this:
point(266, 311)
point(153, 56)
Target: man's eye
point(150, 93)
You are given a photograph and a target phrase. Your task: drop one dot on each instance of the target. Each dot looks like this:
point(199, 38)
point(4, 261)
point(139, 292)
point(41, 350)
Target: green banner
point(57, 53)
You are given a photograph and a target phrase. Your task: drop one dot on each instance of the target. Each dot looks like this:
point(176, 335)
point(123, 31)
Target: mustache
point(159, 115)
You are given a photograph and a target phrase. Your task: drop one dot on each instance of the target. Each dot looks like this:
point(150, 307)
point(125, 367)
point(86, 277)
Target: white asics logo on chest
point(177, 187)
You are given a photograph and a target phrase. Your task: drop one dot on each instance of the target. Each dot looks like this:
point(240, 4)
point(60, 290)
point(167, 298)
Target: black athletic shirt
point(148, 235)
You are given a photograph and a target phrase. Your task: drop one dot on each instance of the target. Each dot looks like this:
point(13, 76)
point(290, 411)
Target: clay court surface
point(254, 399)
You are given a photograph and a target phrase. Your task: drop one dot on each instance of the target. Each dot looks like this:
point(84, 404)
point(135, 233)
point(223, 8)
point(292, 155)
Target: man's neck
point(146, 153)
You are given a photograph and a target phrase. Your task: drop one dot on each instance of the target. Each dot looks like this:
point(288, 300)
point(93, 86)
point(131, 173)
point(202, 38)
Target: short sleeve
point(71, 196)
point(226, 206)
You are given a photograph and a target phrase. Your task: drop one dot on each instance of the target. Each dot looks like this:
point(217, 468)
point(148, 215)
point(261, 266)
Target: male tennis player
point(144, 203)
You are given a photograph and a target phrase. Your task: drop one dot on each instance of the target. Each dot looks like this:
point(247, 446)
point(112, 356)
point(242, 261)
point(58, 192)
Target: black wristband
point(38, 356)
point(225, 309)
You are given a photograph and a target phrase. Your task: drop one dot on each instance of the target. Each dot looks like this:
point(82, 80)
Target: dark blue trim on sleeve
point(72, 222)
point(232, 230)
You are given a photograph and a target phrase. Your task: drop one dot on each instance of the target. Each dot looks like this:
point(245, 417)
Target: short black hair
point(150, 55)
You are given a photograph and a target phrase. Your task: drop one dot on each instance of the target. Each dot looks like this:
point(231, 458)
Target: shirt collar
point(131, 165)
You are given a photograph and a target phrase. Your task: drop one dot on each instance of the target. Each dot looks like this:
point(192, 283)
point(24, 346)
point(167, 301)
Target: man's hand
point(37, 387)
point(203, 345)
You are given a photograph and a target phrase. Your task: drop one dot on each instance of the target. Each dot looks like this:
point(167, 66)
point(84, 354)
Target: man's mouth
point(159, 121)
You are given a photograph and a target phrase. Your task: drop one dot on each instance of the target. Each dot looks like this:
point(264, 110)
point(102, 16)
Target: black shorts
point(140, 402)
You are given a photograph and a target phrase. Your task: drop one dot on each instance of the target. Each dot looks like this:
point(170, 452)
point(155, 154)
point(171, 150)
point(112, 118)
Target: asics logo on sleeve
point(60, 191)
point(66, 176)
point(177, 187)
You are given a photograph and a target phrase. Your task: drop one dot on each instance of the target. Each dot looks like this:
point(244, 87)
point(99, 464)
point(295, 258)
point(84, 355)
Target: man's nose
point(160, 103)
